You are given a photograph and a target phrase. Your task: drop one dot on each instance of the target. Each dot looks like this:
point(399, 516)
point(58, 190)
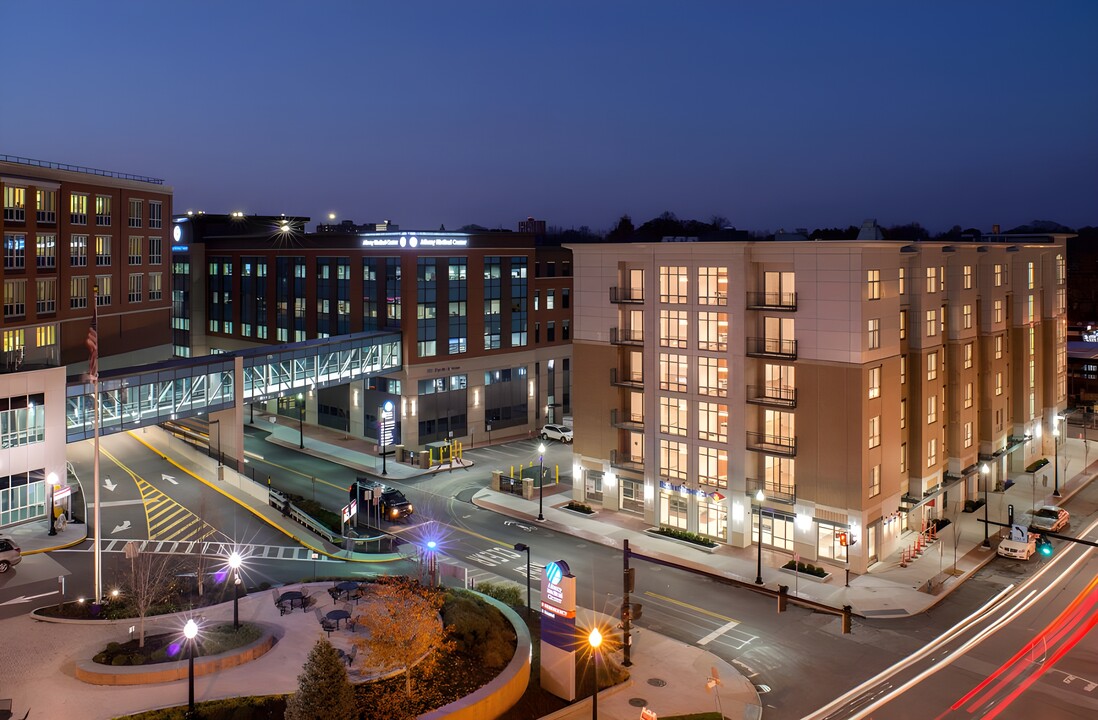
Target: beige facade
point(861, 385)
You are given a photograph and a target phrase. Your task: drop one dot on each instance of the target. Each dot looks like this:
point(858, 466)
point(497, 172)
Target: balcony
point(625, 461)
point(771, 348)
point(771, 301)
point(627, 379)
point(625, 420)
point(782, 445)
point(772, 395)
point(626, 336)
point(782, 493)
point(632, 296)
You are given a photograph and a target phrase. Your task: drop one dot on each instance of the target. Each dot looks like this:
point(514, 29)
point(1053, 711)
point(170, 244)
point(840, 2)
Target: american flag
point(93, 340)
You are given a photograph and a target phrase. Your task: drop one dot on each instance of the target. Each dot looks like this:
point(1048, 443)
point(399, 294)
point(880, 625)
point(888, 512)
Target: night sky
point(772, 114)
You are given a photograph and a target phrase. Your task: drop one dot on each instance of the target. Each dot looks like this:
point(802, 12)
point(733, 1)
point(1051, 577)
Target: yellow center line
point(695, 608)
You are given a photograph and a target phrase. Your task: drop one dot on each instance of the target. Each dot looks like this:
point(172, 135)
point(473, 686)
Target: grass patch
point(171, 647)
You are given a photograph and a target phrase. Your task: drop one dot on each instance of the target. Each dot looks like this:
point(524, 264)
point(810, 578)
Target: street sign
point(1019, 533)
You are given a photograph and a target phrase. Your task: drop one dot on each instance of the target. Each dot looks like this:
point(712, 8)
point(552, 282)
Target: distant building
point(486, 318)
point(532, 226)
point(859, 384)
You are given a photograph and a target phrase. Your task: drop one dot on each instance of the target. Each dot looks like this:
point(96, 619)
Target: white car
point(1048, 517)
point(556, 432)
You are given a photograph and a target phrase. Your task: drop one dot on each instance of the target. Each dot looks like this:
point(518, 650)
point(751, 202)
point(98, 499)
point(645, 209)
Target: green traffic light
point(1044, 547)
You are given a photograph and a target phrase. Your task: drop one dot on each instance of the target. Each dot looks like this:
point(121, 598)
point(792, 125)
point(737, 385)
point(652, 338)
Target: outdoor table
point(347, 587)
point(338, 615)
point(292, 596)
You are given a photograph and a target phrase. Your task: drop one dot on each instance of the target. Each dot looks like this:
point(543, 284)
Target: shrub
point(119, 660)
point(684, 535)
point(137, 659)
point(507, 593)
point(806, 568)
point(478, 629)
point(579, 507)
point(158, 656)
point(101, 658)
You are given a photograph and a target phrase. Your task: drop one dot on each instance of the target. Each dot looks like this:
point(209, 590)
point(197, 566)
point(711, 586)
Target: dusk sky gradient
point(772, 114)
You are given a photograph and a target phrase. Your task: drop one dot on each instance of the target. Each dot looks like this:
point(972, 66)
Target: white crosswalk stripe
point(211, 549)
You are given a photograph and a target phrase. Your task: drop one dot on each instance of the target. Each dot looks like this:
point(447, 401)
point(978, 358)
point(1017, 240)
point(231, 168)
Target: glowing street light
point(760, 497)
point(234, 562)
point(986, 472)
point(594, 639)
point(190, 631)
point(301, 420)
point(541, 481)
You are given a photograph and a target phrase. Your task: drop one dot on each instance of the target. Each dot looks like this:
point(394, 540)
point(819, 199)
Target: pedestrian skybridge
point(185, 387)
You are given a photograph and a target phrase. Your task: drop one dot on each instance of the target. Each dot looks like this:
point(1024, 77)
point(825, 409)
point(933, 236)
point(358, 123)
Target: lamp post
point(190, 630)
point(760, 497)
point(219, 455)
point(234, 563)
point(986, 472)
point(519, 547)
point(385, 410)
point(541, 481)
point(594, 639)
point(301, 420)
point(1056, 466)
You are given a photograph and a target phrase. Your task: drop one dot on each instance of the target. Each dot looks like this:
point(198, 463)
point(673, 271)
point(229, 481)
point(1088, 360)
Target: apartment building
point(485, 318)
point(861, 384)
point(66, 231)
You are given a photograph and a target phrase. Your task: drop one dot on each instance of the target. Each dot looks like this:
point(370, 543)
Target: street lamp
point(234, 563)
point(541, 481)
point(301, 419)
point(519, 547)
point(1056, 466)
point(594, 639)
point(760, 496)
point(986, 472)
point(219, 455)
point(190, 630)
point(385, 410)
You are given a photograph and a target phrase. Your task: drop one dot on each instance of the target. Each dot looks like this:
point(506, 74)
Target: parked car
point(556, 432)
point(9, 554)
point(1017, 549)
point(392, 502)
point(1048, 517)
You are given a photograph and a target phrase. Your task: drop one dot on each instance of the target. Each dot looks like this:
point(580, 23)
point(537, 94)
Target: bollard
point(903, 557)
point(846, 619)
point(783, 595)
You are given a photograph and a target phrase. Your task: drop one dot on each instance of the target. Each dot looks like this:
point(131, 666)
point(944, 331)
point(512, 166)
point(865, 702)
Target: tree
point(323, 689)
point(623, 231)
point(403, 627)
point(147, 584)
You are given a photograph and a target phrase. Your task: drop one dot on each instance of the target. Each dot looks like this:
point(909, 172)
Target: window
point(931, 323)
point(966, 317)
point(47, 251)
point(998, 347)
point(931, 280)
point(874, 382)
point(1029, 309)
point(998, 275)
point(47, 206)
point(673, 328)
point(45, 335)
point(673, 285)
point(713, 467)
point(903, 283)
point(903, 324)
point(103, 292)
point(968, 355)
point(673, 459)
point(875, 481)
point(712, 422)
point(999, 383)
point(968, 434)
point(135, 251)
point(15, 251)
point(1029, 276)
point(15, 204)
point(78, 209)
point(713, 286)
point(154, 214)
point(932, 410)
point(932, 366)
point(673, 369)
point(135, 213)
point(47, 297)
point(874, 330)
point(135, 288)
point(15, 298)
point(102, 209)
point(78, 292)
point(102, 250)
point(156, 256)
point(713, 331)
point(998, 316)
point(565, 298)
point(903, 413)
point(550, 300)
point(873, 284)
point(673, 508)
point(874, 431)
point(903, 369)
point(968, 395)
point(155, 288)
point(932, 452)
point(828, 543)
point(966, 275)
point(78, 251)
point(903, 457)
point(713, 376)
point(673, 416)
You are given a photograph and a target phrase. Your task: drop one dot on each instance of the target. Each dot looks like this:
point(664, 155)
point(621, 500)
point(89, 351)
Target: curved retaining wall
point(499, 695)
point(95, 673)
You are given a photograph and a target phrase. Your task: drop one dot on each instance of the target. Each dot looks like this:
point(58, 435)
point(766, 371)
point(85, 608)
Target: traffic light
point(842, 539)
point(1044, 546)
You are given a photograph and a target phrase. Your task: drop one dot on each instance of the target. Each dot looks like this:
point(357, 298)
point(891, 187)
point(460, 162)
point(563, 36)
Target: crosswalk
point(210, 549)
point(502, 559)
point(169, 520)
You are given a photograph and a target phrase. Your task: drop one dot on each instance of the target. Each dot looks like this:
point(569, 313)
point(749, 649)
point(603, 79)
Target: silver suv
point(9, 554)
point(1049, 518)
point(556, 432)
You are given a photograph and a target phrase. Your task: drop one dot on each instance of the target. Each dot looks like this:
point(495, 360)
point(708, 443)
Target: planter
point(806, 576)
point(687, 543)
point(580, 512)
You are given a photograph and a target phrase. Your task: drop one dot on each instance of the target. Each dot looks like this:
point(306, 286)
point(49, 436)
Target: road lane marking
point(695, 608)
point(718, 632)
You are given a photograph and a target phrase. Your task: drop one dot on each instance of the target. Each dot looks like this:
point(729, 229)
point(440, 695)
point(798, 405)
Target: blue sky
point(772, 114)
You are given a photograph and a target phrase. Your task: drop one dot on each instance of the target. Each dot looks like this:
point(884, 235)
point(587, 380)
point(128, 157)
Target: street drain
point(656, 682)
point(638, 702)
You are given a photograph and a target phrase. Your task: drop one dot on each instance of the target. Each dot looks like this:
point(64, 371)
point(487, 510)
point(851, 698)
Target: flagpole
point(93, 370)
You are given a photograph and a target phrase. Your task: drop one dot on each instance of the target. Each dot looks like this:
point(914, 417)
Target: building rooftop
point(80, 169)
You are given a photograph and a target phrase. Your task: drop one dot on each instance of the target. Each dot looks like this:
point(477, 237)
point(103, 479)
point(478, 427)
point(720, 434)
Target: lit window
point(968, 355)
point(932, 410)
point(968, 434)
point(932, 366)
point(875, 481)
point(967, 275)
point(903, 324)
point(873, 283)
point(932, 452)
point(903, 413)
point(998, 383)
point(932, 280)
point(998, 275)
point(931, 323)
point(968, 395)
point(874, 382)
point(903, 282)
point(966, 314)
point(998, 318)
point(874, 332)
point(874, 431)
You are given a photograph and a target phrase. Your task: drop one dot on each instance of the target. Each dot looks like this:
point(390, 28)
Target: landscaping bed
point(171, 647)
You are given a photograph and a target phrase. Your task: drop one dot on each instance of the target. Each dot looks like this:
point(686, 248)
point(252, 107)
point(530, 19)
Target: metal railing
point(773, 444)
point(626, 336)
point(771, 301)
point(626, 295)
point(772, 347)
point(627, 420)
point(777, 493)
point(772, 395)
point(79, 169)
point(626, 461)
point(628, 379)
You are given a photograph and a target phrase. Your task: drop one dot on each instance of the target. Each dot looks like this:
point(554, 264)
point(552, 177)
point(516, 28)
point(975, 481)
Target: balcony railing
point(783, 445)
point(627, 420)
point(771, 301)
point(625, 461)
point(777, 396)
point(626, 336)
point(783, 493)
point(627, 295)
point(772, 347)
point(628, 379)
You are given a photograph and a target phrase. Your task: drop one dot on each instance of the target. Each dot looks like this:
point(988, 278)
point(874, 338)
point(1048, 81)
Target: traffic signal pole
point(628, 578)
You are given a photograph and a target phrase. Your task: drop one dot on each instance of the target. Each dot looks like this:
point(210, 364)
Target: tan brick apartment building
point(860, 384)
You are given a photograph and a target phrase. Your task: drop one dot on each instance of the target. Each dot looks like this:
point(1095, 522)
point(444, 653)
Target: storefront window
point(777, 529)
point(673, 510)
point(828, 545)
point(632, 495)
point(713, 519)
point(593, 485)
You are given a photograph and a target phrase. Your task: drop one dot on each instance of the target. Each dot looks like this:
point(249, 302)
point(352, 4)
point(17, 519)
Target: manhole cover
point(656, 682)
point(638, 702)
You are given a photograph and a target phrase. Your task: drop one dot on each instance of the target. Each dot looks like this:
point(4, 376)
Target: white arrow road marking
point(109, 485)
point(28, 598)
point(718, 632)
point(169, 478)
point(119, 528)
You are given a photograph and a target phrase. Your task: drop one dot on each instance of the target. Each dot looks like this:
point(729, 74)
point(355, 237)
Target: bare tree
point(148, 583)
